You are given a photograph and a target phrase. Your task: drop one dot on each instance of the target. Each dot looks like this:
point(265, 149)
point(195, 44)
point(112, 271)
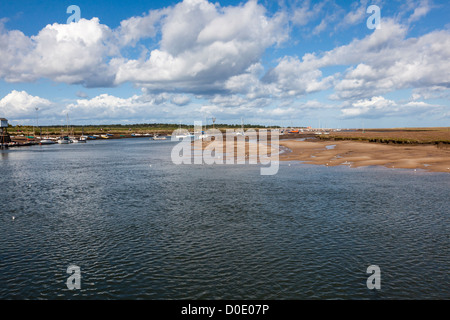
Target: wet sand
point(242, 151)
point(360, 154)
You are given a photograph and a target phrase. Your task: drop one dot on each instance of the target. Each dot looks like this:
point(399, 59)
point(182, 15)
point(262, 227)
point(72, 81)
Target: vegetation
point(395, 136)
point(158, 128)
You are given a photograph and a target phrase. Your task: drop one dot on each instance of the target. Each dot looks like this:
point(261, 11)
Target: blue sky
point(287, 63)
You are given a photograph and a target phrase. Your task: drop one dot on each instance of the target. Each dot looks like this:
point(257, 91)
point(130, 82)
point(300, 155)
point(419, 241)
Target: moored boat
point(159, 138)
point(46, 142)
point(64, 140)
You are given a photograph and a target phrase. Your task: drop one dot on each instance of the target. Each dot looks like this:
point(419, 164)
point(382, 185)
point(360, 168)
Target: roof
point(3, 119)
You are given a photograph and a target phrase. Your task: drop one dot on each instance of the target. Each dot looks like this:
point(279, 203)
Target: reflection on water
point(140, 227)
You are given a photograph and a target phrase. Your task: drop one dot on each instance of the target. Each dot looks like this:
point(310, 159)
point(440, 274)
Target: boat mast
point(67, 124)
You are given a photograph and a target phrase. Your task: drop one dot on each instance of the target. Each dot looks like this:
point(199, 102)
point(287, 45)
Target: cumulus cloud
point(180, 100)
point(73, 53)
point(384, 61)
point(396, 63)
point(216, 53)
point(134, 29)
point(292, 77)
point(14, 48)
point(21, 105)
point(106, 107)
point(203, 45)
point(379, 107)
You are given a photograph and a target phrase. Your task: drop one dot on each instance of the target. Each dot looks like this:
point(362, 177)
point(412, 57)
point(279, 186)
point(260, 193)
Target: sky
point(286, 63)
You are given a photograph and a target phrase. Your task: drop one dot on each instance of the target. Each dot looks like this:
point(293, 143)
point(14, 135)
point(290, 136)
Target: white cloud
point(203, 45)
point(379, 107)
point(135, 29)
point(180, 100)
point(357, 15)
point(432, 92)
point(303, 15)
point(382, 62)
point(21, 105)
point(14, 47)
point(107, 107)
point(420, 11)
point(199, 47)
point(70, 53)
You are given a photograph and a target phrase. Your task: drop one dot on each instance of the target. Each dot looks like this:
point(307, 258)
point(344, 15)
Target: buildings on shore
point(4, 136)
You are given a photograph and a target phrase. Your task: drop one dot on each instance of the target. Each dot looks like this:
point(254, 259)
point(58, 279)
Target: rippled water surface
point(140, 227)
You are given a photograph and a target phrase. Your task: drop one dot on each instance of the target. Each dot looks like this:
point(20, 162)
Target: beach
point(361, 154)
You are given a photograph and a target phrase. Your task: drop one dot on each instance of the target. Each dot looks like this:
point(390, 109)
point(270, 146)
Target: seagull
point(14, 218)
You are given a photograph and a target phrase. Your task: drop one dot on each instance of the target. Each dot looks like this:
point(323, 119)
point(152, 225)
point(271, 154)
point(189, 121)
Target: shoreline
point(354, 154)
point(363, 154)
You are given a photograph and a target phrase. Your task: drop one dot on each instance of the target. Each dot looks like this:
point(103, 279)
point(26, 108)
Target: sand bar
point(360, 154)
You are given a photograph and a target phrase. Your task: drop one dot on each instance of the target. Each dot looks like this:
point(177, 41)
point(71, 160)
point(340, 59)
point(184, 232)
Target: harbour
point(141, 227)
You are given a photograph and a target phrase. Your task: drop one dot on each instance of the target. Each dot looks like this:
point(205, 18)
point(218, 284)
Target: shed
point(3, 123)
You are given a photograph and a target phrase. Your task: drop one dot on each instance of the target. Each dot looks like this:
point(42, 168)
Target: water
point(140, 227)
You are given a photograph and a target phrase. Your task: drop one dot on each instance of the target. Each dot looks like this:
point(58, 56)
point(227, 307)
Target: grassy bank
point(157, 128)
point(395, 136)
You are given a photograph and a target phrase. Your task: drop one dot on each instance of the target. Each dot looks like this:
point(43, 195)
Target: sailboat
point(82, 139)
point(157, 137)
point(65, 139)
point(242, 132)
point(46, 142)
point(180, 135)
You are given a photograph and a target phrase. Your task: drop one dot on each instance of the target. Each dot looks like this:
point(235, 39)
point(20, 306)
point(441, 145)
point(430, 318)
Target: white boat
point(242, 132)
point(46, 141)
point(80, 140)
point(159, 138)
point(185, 136)
point(64, 140)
